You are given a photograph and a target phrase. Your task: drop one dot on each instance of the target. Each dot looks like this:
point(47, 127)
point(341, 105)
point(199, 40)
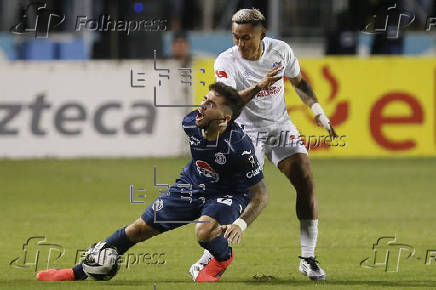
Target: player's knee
point(207, 231)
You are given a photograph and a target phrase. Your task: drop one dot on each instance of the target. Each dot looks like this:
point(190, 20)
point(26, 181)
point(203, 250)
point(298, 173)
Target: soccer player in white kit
point(255, 66)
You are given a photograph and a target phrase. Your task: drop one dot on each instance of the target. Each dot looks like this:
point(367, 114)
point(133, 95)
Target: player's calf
point(139, 231)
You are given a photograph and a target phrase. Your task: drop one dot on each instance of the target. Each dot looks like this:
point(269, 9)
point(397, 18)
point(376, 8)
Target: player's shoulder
point(276, 43)
point(226, 56)
point(238, 140)
point(189, 120)
point(277, 46)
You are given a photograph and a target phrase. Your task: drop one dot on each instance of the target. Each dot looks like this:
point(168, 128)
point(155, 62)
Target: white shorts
point(276, 142)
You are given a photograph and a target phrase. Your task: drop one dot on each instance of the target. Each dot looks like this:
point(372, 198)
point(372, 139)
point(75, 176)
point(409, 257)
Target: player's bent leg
point(210, 237)
point(208, 229)
point(298, 169)
point(220, 210)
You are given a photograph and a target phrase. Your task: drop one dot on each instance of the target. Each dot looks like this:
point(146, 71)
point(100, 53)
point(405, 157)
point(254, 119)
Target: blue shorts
point(177, 208)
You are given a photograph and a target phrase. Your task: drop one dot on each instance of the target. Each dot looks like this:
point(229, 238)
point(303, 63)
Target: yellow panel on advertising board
point(380, 106)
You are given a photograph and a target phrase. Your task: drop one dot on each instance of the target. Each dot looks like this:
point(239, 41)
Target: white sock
point(205, 258)
point(308, 237)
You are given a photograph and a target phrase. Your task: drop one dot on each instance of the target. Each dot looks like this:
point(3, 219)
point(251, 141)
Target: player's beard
point(210, 126)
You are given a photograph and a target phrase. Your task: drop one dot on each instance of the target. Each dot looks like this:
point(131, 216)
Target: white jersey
point(268, 107)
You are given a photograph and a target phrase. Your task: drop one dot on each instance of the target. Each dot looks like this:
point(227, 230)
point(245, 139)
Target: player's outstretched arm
point(254, 208)
point(305, 91)
point(270, 78)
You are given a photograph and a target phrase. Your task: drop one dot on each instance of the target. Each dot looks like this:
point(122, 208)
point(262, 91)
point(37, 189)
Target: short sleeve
point(248, 164)
point(292, 68)
point(224, 71)
point(188, 123)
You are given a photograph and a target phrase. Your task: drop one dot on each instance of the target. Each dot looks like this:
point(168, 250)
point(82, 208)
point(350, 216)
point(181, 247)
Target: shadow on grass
point(252, 284)
point(293, 283)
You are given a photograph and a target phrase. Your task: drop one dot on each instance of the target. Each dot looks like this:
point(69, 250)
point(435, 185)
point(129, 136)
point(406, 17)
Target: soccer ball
point(101, 261)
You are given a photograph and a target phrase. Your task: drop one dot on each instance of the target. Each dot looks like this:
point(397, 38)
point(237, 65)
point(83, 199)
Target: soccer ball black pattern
point(101, 261)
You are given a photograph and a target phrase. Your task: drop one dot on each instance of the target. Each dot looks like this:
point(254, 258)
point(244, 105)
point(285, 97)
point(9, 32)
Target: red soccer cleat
point(214, 270)
point(56, 275)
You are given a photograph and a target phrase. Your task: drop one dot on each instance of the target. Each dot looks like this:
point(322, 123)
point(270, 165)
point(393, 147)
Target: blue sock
point(219, 248)
point(120, 240)
point(78, 272)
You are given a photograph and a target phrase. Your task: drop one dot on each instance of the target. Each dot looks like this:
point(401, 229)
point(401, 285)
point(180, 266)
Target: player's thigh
point(171, 211)
point(290, 144)
point(225, 209)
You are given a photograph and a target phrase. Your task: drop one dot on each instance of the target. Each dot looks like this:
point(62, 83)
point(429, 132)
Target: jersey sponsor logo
point(252, 173)
point(221, 74)
point(220, 158)
point(276, 64)
point(248, 73)
point(246, 152)
point(269, 91)
point(205, 170)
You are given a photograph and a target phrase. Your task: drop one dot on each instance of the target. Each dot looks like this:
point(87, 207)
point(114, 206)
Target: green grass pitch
point(74, 203)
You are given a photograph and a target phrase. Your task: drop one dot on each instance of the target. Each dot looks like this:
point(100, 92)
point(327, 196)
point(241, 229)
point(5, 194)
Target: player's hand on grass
point(233, 233)
point(270, 78)
point(323, 121)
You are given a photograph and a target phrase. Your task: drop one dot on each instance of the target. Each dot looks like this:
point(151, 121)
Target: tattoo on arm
point(257, 203)
point(305, 91)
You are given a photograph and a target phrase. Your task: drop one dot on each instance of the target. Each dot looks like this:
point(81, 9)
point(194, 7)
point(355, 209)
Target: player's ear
point(225, 121)
point(263, 33)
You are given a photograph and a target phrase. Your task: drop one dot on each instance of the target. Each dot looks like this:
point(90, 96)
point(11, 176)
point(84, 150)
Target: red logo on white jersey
point(221, 74)
point(269, 91)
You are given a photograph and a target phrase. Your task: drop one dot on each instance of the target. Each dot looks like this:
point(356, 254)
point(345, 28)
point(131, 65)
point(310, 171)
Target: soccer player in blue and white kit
point(222, 186)
point(265, 117)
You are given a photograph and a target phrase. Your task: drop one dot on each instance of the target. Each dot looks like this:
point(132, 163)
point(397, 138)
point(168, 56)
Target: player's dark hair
point(232, 99)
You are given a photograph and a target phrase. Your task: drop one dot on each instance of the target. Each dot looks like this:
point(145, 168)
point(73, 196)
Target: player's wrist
point(318, 111)
point(241, 223)
point(257, 88)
